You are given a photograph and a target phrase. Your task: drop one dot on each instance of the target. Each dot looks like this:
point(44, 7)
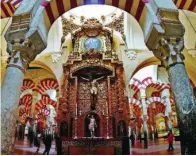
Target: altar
point(95, 146)
point(93, 87)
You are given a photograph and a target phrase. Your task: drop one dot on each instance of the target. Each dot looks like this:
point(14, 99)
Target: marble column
point(10, 92)
point(165, 94)
point(145, 116)
point(169, 51)
point(186, 108)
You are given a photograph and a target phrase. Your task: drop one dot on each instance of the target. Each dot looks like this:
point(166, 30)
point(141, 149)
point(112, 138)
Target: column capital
point(21, 52)
point(166, 39)
point(169, 50)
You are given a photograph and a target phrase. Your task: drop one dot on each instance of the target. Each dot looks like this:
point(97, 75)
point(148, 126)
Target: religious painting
point(92, 43)
point(88, 43)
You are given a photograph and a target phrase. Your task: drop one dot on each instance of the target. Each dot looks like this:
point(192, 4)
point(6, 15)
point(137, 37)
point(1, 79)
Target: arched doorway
point(87, 121)
point(64, 129)
point(160, 124)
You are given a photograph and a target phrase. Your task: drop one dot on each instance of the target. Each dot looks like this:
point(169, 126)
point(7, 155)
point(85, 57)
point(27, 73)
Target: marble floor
point(155, 148)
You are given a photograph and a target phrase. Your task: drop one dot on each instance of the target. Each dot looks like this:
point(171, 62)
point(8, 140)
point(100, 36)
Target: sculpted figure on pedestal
point(92, 125)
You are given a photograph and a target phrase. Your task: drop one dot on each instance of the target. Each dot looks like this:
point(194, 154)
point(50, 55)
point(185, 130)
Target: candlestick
point(107, 108)
point(76, 110)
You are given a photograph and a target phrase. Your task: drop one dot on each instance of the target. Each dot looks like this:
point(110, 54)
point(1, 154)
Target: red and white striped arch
point(42, 114)
point(26, 100)
point(27, 84)
point(186, 4)
point(23, 113)
point(159, 104)
point(155, 100)
point(148, 82)
point(55, 8)
point(8, 7)
point(24, 106)
point(135, 86)
point(47, 84)
point(43, 102)
point(23, 110)
point(160, 108)
point(137, 111)
point(134, 101)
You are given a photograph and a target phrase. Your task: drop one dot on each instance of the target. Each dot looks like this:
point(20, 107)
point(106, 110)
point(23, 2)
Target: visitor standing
point(132, 138)
point(47, 142)
point(37, 142)
point(170, 139)
point(30, 136)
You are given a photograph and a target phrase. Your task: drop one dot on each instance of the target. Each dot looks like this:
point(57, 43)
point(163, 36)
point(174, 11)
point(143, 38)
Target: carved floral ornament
point(92, 28)
point(69, 26)
point(169, 51)
point(92, 23)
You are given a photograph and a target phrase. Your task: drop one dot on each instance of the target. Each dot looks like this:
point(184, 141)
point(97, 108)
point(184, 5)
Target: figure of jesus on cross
point(93, 90)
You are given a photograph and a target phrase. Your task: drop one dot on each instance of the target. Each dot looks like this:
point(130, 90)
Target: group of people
point(44, 136)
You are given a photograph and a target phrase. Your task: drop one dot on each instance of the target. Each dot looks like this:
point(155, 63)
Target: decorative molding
point(132, 55)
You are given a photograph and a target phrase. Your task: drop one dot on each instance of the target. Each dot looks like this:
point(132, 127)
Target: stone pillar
point(165, 94)
point(166, 42)
point(186, 108)
point(170, 50)
point(145, 116)
point(11, 89)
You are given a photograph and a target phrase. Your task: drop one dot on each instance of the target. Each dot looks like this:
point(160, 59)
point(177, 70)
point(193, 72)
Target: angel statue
point(93, 90)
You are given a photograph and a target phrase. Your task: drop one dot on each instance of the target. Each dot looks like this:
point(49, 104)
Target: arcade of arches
point(98, 71)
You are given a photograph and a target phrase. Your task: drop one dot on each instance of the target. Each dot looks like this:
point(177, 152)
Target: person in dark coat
point(58, 144)
point(47, 142)
point(31, 136)
point(170, 139)
point(132, 138)
point(37, 142)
